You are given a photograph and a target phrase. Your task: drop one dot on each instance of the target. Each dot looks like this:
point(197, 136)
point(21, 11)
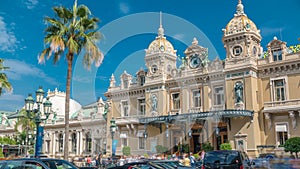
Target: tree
point(4, 83)
point(126, 150)
point(225, 146)
point(68, 33)
point(292, 145)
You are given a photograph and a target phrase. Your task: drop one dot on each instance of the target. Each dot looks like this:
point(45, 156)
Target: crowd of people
point(102, 160)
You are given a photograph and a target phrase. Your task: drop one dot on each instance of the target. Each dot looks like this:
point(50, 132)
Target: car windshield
point(222, 157)
point(53, 163)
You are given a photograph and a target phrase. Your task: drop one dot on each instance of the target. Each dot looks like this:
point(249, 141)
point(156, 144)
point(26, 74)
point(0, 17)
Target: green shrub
point(126, 150)
point(207, 147)
point(225, 146)
point(161, 149)
point(292, 145)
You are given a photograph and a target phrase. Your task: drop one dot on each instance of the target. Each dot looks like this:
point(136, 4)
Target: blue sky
point(128, 27)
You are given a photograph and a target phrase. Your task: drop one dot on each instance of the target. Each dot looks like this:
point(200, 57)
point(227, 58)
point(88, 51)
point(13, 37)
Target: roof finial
point(240, 8)
point(160, 29)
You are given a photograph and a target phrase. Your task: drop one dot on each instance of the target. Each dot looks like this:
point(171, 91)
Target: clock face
point(162, 48)
point(195, 61)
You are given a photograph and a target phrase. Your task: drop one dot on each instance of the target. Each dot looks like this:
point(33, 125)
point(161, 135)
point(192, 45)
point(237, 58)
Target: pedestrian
point(202, 154)
point(186, 161)
point(192, 160)
point(89, 161)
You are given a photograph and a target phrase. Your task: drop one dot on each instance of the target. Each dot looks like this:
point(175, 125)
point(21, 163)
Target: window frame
point(174, 101)
point(199, 102)
point(124, 105)
point(215, 96)
point(141, 140)
point(273, 88)
point(277, 139)
point(140, 105)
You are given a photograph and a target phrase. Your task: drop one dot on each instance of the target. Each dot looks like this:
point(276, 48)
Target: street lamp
point(113, 129)
point(36, 115)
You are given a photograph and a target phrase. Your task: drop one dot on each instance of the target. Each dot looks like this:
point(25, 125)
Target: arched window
point(60, 142)
point(88, 143)
point(74, 142)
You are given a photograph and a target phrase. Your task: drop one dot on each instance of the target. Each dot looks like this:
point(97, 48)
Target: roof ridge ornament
point(195, 41)
point(160, 29)
point(240, 9)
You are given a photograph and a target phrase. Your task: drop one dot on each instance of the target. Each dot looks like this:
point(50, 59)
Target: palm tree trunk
point(67, 105)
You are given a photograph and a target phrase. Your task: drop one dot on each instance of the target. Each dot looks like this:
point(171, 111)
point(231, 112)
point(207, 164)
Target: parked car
point(264, 160)
point(226, 159)
point(23, 164)
point(39, 163)
point(172, 163)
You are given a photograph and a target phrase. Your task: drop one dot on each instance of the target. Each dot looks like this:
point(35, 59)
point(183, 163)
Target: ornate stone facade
point(249, 99)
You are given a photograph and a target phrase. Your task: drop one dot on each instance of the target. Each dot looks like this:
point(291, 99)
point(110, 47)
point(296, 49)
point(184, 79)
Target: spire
point(160, 29)
point(112, 81)
point(240, 8)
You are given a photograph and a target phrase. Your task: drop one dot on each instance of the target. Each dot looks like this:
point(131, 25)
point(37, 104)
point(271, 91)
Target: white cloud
point(11, 102)
point(8, 41)
point(267, 31)
point(124, 8)
point(179, 36)
point(18, 70)
point(30, 4)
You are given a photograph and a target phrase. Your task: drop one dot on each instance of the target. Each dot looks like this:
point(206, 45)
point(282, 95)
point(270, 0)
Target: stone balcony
point(282, 106)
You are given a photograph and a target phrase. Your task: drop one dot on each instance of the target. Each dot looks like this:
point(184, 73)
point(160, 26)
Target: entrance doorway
point(221, 136)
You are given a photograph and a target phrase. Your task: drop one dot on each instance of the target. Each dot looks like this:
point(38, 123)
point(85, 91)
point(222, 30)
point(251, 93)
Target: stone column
point(77, 143)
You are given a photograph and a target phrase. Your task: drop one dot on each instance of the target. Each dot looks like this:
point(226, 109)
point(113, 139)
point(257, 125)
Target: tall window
point(176, 100)
point(125, 82)
point(277, 55)
point(279, 86)
point(142, 140)
point(281, 133)
point(88, 142)
point(74, 142)
point(218, 95)
point(142, 80)
point(197, 98)
point(125, 108)
point(141, 107)
point(60, 142)
point(123, 137)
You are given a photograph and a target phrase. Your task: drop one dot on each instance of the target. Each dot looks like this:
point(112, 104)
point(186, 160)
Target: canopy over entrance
point(194, 116)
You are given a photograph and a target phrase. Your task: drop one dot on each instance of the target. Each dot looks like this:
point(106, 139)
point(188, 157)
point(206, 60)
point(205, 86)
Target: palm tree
point(71, 31)
point(4, 84)
point(23, 125)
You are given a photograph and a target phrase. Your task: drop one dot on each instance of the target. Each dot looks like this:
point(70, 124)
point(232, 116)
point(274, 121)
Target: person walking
point(192, 160)
point(186, 161)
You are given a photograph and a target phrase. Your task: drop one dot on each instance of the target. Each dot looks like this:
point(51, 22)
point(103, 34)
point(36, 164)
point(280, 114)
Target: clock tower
point(196, 56)
point(241, 41)
point(160, 56)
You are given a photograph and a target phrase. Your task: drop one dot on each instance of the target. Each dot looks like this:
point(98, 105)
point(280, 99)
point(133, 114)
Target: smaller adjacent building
point(87, 128)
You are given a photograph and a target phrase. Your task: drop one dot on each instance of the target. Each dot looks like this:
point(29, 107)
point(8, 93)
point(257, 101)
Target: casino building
point(250, 99)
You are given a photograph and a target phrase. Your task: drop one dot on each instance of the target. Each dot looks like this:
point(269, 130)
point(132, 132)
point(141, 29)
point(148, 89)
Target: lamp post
point(113, 128)
point(35, 114)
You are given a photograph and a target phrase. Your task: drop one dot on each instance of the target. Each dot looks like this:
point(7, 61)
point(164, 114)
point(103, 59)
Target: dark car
point(23, 164)
point(264, 160)
point(172, 163)
point(226, 159)
point(51, 163)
